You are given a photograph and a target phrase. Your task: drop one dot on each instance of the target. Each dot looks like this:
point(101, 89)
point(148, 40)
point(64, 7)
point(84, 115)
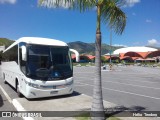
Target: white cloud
point(8, 1)
point(120, 45)
point(148, 21)
point(131, 3)
point(152, 42)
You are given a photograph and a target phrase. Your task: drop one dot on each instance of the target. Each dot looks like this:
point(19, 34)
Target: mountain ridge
point(6, 42)
point(89, 48)
point(81, 47)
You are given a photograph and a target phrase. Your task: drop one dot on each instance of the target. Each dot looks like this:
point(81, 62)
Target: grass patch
point(83, 118)
point(113, 118)
point(86, 116)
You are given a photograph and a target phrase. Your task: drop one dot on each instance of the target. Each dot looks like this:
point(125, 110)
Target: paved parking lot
point(133, 87)
point(128, 87)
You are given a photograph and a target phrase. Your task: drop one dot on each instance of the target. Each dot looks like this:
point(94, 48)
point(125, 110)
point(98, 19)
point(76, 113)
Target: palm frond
point(82, 5)
point(112, 15)
point(56, 3)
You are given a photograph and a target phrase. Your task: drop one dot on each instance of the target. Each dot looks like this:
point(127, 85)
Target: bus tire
point(17, 89)
point(5, 82)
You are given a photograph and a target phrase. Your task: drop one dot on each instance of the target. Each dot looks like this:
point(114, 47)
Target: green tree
point(109, 12)
point(103, 59)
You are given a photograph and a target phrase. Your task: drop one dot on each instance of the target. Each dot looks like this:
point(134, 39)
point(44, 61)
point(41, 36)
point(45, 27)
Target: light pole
point(110, 49)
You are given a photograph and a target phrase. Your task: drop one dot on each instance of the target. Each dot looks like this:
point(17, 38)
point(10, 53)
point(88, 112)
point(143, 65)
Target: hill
point(5, 41)
point(89, 48)
point(81, 47)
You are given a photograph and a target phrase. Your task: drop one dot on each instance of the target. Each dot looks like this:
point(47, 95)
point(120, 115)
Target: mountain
point(89, 48)
point(5, 41)
point(81, 47)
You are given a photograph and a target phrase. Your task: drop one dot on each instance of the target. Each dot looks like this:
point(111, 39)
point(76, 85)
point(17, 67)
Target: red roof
point(125, 57)
point(134, 58)
point(73, 56)
point(136, 55)
point(90, 56)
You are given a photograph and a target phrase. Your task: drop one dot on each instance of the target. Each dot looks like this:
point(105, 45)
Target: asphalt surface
point(132, 87)
point(5, 104)
point(129, 87)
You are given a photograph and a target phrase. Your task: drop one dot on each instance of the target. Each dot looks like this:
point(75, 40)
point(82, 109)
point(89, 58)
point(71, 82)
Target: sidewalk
point(69, 103)
point(78, 102)
point(5, 105)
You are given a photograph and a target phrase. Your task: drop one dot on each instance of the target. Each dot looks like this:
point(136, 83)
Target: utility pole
point(110, 49)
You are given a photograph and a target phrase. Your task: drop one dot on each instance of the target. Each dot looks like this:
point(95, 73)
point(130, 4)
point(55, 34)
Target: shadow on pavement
point(118, 111)
point(10, 86)
point(1, 101)
point(121, 111)
point(56, 97)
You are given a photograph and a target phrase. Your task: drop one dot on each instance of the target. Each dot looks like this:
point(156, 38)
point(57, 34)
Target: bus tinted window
point(49, 60)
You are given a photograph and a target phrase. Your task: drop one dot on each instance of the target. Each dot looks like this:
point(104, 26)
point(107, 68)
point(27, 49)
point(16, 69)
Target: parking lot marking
point(123, 79)
point(80, 85)
point(15, 103)
point(5, 93)
point(128, 84)
point(19, 107)
point(133, 85)
point(141, 81)
point(111, 70)
point(83, 73)
point(125, 92)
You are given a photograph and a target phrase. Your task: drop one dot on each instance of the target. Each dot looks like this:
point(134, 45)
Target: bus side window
point(11, 54)
point(22, 63)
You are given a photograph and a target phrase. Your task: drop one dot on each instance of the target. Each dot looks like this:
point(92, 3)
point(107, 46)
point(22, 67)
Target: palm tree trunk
point(97, 103)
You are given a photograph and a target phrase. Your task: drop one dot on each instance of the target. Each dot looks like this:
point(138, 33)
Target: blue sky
point(21, 18)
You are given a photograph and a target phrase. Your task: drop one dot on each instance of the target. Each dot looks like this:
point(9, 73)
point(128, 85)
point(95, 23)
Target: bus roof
point(38, 41)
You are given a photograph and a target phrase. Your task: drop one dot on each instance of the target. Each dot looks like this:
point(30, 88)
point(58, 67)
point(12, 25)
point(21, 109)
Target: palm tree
point(109, 12)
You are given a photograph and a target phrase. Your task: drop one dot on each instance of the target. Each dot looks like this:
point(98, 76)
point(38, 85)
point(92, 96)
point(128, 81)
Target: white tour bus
point(38, 67)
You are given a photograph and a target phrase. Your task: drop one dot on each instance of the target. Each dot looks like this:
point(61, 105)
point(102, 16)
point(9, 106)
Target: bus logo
point(6, 114)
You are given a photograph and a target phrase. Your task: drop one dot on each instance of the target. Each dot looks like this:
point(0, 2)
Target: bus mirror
point(76, 54)
point(24, 53)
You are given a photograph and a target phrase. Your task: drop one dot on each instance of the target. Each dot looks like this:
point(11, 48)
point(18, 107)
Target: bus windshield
point(49, 62)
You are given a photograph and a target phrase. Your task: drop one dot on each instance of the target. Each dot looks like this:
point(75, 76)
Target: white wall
point(2, 48)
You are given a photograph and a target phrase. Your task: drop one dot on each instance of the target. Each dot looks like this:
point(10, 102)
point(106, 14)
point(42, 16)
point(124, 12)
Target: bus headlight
point(33, 85)
point(70, 83)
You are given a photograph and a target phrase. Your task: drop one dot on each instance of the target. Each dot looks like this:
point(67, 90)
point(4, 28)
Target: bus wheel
point(5, 82)
point(17, 89)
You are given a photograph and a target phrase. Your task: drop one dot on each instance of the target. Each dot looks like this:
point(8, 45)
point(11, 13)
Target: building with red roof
point(138, 54)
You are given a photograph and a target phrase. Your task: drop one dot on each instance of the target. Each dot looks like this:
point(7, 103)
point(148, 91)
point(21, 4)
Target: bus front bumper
point(39, 93)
